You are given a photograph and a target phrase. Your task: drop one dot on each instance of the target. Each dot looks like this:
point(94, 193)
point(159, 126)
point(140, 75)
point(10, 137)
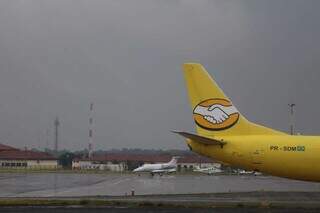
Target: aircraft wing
point(200, 139)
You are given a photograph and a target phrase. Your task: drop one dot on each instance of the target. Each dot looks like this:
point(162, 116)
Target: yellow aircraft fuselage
point(224, 134)
point(294, 157)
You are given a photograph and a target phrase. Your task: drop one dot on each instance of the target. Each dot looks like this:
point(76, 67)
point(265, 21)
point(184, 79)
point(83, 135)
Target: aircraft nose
point(136, 170)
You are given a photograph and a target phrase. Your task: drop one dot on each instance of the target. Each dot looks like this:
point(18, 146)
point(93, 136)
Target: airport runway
point(200, 192)
point(71, 184)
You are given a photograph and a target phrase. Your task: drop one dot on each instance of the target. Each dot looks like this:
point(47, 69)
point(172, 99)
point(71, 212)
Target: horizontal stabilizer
point(200, 139)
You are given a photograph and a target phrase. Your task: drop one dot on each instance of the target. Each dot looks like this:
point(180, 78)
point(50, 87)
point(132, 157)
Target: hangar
point(13, 158)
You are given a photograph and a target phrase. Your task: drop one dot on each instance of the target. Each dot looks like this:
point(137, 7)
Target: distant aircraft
point(226, 135)
point(208, 170)
point(245, 172)
point(159, 168)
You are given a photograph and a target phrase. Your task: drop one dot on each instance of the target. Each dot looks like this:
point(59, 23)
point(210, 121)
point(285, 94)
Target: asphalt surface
point(179, 193)
point(70, 185)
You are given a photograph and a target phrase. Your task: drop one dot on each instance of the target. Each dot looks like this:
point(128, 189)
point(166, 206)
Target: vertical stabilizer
point(213, 112)
point(174, 160)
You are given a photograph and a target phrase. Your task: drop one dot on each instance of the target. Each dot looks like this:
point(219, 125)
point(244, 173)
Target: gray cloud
point(58, 56)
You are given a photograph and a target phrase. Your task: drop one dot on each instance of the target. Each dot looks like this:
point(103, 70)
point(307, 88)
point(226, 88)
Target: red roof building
point(25, 155)
point(6, 148)
point(10, 153)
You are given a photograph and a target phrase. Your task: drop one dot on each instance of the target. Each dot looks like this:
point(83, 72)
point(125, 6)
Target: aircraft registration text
point(288, 148)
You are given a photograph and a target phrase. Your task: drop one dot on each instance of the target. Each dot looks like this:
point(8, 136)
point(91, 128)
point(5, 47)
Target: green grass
point(53, 202)
point(87, 202)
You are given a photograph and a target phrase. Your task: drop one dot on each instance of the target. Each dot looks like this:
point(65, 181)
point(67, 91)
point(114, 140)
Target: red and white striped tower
point(90, 145)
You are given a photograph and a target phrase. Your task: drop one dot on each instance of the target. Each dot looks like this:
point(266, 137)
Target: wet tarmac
point(71, 185)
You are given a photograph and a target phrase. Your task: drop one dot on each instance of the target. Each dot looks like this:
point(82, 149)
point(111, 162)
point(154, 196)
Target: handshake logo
point(215, 114)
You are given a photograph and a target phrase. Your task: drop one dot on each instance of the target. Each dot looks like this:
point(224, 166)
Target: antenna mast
point(90, 145)
point(56, 125)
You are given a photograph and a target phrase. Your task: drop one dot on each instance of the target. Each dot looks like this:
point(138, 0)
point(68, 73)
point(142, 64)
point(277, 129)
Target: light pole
point(56, 128)
point(292, 118)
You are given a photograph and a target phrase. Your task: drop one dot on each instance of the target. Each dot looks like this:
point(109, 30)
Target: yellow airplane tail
point(213, 112)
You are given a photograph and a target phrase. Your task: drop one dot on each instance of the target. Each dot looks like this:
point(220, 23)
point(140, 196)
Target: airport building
point(127, 162)
point(13, 158)
point(98, 163)
point(189, 163)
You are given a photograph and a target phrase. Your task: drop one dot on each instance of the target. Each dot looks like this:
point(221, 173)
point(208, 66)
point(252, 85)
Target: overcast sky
point(126, 55)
